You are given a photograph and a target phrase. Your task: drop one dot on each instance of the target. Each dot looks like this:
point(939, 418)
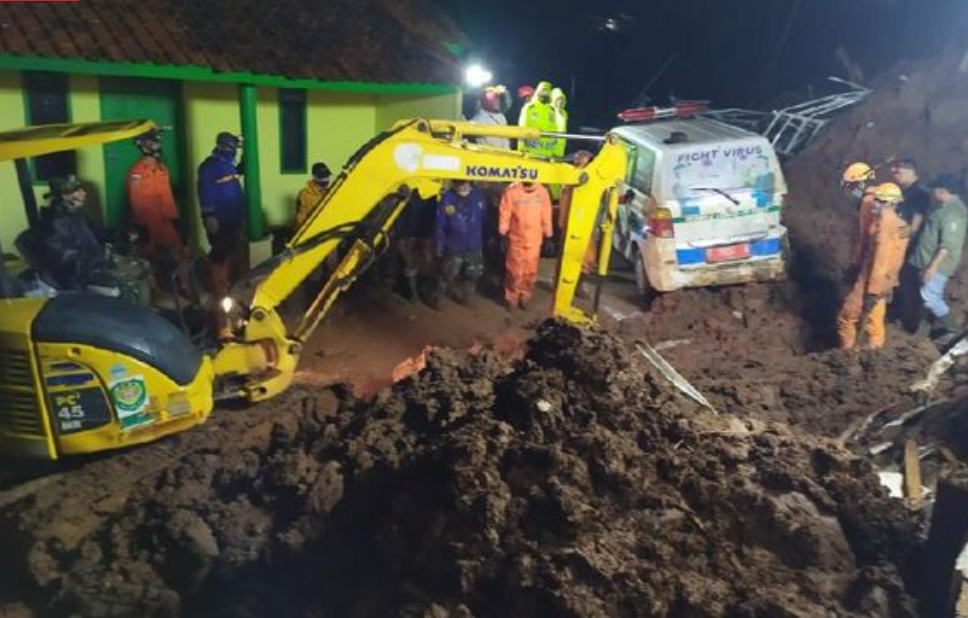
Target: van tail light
point(660, 223)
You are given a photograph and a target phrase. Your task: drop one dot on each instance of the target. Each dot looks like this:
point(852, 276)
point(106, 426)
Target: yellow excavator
point(83, 373)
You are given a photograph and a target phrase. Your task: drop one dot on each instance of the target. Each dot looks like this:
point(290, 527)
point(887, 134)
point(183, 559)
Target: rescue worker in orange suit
point(859, 184)
point(590, 262)
point(882, 248)
point(154, 213)
point(222, 201)
point(525, 221)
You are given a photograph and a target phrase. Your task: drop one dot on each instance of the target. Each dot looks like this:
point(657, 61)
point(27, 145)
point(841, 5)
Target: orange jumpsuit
point(882, 248)
point(153, 206)
point(525, 218)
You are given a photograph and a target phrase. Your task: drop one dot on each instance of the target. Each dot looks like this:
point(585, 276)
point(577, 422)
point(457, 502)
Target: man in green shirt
point(937, 252)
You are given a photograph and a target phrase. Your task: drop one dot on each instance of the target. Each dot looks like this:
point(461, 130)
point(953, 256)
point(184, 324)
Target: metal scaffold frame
point(791, 128)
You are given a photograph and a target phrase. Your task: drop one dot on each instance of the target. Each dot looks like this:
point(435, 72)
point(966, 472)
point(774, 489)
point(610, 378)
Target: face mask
point(464, 191)
point(73, 202)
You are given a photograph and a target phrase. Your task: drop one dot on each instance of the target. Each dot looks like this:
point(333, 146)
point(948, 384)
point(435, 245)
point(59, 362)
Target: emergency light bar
point(686, 109)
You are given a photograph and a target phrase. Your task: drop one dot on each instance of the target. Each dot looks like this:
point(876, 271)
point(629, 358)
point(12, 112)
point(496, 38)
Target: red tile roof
point(377, 41)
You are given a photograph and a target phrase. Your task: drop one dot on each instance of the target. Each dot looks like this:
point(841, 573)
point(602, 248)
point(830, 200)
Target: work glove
point(211, 225)
point(870, 301)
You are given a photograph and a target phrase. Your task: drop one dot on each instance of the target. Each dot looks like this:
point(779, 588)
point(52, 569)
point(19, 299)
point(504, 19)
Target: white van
point(700, 206)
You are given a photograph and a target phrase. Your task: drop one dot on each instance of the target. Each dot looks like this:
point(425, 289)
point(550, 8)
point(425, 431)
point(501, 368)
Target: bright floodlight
point(477, 76)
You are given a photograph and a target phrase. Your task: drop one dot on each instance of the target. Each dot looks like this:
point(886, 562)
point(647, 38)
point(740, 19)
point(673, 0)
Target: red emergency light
point(685, 109)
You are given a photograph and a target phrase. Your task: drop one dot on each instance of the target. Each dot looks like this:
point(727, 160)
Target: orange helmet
point(889, 193)
point(858, 172)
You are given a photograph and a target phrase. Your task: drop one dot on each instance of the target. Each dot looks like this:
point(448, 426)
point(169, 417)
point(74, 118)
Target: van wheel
point(641, 277)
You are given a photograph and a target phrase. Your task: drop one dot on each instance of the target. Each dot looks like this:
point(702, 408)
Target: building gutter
point(205, 74)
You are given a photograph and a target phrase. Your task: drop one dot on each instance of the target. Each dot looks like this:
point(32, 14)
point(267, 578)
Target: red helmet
point(525, 92)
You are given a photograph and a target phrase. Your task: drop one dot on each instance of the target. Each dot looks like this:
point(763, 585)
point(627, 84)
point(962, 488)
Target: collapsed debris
point(572, 483)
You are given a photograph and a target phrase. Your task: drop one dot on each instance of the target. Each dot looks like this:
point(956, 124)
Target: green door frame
point(114, 211)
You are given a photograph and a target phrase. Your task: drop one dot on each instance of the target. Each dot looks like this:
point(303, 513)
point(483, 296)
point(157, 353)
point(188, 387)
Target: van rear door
point(638, 186)
point(728, 195)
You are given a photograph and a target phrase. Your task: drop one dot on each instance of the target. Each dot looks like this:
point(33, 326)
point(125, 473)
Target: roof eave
point(206, 74)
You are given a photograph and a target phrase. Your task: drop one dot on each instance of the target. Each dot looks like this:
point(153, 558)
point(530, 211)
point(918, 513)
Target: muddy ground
point(573, 483)
point(760, 352)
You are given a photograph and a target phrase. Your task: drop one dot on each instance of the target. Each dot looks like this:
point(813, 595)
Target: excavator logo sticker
point(407, 157)
point(502, 173)
point(130, 397)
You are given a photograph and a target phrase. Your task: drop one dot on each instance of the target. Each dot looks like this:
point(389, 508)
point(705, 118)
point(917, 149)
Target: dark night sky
point(734, 52)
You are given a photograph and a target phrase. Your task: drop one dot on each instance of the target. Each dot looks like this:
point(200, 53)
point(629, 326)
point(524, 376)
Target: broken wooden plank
point(913, 490)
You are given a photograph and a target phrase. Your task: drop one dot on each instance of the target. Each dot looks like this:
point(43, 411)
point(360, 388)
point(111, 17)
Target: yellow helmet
point(889, 193)
point(858, 172)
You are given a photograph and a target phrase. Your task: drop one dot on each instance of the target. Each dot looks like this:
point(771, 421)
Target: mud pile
point(763, 352)
point(572, 483)
point(917, 110)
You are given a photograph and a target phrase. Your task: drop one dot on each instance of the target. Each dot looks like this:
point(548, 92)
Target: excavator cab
point(78, 372)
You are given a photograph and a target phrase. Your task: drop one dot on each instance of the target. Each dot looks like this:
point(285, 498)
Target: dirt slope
point(917, 110)
point(761, 352)
point(569, 484)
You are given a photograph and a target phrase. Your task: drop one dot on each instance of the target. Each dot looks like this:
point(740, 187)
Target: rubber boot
point(412, 289)
point(945, 327)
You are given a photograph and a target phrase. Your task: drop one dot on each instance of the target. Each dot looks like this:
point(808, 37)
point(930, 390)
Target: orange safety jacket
point(866, 215)
point(153, 205)
point(886, 248)
point(525, 217)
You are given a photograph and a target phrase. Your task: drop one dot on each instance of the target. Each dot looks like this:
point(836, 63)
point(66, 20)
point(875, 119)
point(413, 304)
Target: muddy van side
point(701, 205)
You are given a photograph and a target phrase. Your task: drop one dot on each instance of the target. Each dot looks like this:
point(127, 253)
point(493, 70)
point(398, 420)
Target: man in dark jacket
point(222, 201)
point(414, 229)
point(459, 239)
point(71, 250)
point(914, 210)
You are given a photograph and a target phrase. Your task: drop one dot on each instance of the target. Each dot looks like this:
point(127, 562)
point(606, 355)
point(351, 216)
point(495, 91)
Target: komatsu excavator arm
point(358, 213)
point(81, 373)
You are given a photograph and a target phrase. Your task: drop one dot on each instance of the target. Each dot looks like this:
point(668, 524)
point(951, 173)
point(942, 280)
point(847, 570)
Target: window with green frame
point(47, 102)
point(292, 130)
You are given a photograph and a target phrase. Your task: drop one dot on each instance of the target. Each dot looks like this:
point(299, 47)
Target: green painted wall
point(209, 109)
point(12, 218)
point(337, 124)
point(85, 106)
point(392, 108)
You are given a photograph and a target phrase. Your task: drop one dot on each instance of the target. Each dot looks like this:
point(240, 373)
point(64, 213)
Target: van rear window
point(731, 167)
